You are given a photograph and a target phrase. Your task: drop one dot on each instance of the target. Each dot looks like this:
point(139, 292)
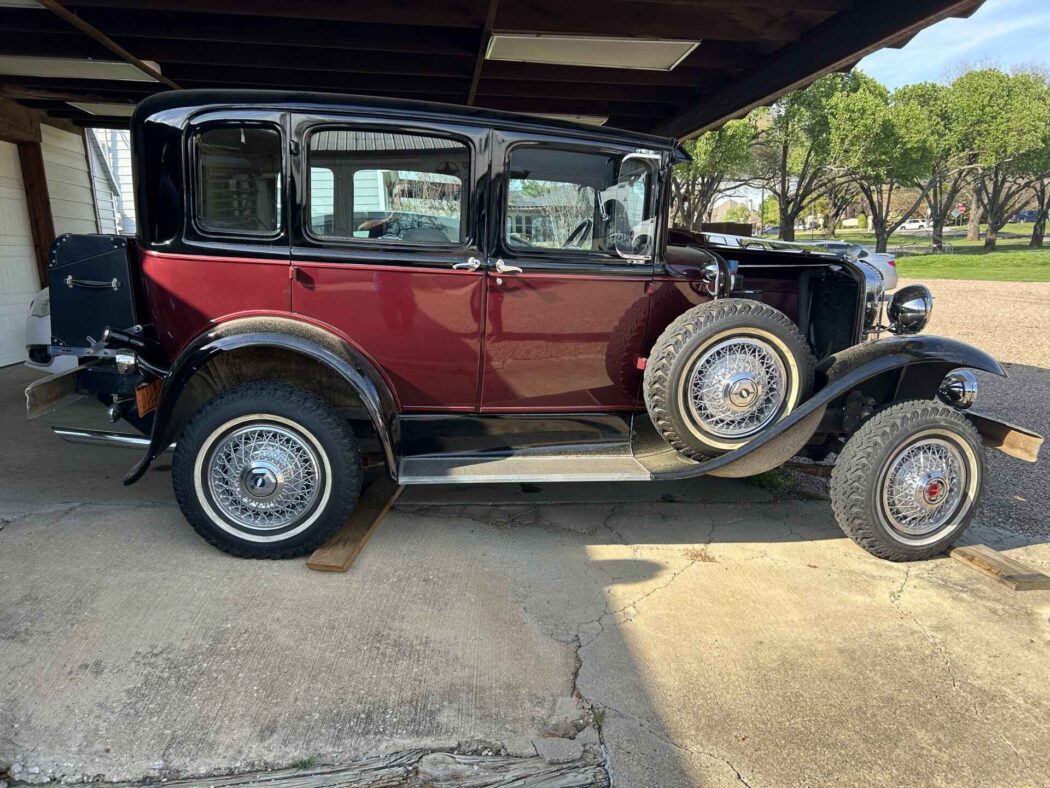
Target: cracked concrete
point(719, 636)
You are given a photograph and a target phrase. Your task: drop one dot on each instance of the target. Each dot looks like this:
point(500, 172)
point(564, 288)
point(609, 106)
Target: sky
point(1002, 33)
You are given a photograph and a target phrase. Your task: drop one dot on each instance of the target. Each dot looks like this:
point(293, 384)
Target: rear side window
point(388, 188)
point(239, 180)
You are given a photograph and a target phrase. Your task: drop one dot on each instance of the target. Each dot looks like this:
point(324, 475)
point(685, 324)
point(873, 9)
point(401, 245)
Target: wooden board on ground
point(342, 549)
point(1002, 568)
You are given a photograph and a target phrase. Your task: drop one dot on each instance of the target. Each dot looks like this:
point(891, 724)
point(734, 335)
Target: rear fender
point(273, 332)
point(927, 358)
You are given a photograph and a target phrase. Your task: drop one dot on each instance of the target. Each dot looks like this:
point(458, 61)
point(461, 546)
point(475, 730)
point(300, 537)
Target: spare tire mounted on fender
point(723, 372)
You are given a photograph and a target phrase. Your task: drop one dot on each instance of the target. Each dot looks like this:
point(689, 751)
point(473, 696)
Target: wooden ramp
point(1011, 573)
point(339, 552)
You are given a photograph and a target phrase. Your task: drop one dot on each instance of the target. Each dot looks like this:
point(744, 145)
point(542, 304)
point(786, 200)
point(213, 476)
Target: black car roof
point(193, 100)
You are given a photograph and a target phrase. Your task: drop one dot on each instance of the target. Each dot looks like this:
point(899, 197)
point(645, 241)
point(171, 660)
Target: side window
point(239, 180)
point(560, 199)
point(394, 188)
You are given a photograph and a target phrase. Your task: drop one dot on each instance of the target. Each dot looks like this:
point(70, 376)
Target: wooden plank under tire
point(1002, 568)
point(339, 552)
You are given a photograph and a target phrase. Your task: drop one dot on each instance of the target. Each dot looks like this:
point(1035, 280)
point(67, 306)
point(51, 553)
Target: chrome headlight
point(910, 308)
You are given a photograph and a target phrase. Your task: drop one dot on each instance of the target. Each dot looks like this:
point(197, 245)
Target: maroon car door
point(385, 249)
point(565, 314)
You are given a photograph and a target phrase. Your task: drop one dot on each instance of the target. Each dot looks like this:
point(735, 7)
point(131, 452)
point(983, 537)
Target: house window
point(391, 188)
point(239, 180)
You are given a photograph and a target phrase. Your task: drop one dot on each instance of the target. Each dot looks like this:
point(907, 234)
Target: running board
point(478, 470)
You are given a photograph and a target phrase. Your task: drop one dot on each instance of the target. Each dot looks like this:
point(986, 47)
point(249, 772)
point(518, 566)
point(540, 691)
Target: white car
point(886, 264)
point(914, 224)
point(38, 337)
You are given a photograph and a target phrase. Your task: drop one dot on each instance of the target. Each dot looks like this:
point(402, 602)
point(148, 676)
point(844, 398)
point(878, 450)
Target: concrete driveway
point(720, 635)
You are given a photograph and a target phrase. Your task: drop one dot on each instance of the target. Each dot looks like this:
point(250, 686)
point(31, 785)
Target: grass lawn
point(1012, 260)
point(1007, 264)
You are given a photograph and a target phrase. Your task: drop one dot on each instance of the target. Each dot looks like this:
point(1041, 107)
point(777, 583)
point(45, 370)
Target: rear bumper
point(51, 393)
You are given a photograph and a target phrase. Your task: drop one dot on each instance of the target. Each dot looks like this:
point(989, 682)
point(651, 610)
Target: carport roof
point(749, 52)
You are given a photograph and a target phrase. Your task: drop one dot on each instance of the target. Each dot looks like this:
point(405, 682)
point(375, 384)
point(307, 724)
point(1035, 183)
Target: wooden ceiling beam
point(830, 47)
point(437, 13)
point(644, 20)
point(483, 43)
point(129, 27)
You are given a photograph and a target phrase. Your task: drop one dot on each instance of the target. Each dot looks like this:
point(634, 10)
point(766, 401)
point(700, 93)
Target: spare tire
point(724, 372)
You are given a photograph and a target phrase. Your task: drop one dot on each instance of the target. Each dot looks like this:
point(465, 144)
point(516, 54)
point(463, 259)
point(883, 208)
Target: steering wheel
point(577, 235)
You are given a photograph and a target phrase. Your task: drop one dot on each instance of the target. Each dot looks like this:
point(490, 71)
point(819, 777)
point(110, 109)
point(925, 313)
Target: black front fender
point(841, 373)
point(304, 339)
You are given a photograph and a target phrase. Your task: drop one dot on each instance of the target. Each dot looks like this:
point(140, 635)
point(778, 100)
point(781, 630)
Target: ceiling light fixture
point(646, 54)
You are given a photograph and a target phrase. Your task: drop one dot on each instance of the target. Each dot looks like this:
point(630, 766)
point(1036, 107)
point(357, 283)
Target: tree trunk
point(990, 236)
point(1038, 232)
point(973, 219)
point(937, 234)
point(787, 223)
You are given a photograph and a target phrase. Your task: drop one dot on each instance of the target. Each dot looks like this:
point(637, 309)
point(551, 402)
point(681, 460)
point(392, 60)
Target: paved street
point(721, 635)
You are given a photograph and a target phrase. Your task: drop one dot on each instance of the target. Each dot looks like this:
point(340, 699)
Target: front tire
point(908, 482)
point(266, 470)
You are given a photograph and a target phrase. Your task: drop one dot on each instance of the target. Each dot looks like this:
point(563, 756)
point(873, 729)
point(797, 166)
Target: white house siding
point(106, 196)
point(68, 181)
point(18, 276)
point(115, 145)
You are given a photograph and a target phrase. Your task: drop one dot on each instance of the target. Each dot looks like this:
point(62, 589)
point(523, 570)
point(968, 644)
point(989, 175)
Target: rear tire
point(266, 470)
point(908, 482)
point(724, 372)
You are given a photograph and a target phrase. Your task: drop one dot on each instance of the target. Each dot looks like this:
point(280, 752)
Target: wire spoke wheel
point(263, 476)
point(923, 486)
point(737, 387)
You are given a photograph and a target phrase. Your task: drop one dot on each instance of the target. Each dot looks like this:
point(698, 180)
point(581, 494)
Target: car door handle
point(472, 264)
point(503, 268)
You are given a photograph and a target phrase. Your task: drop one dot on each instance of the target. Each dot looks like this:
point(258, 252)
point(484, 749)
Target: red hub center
point(934, 491)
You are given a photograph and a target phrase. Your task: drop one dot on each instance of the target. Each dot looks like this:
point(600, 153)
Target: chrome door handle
point(472, 264)
point(503, 268)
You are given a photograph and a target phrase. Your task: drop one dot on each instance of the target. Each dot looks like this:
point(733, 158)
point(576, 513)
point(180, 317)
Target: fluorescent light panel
point(590, 120)
point(71, 68)
point(599, 52)
point(104, 109)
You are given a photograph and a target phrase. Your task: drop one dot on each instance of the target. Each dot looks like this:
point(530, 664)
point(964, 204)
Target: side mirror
point(635, 201)
point(909, 309)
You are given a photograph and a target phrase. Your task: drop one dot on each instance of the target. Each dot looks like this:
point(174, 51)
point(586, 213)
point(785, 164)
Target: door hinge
point(293, 273)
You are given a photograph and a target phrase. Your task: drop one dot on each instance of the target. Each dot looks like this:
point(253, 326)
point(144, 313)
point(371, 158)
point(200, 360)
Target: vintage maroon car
point(322, 283)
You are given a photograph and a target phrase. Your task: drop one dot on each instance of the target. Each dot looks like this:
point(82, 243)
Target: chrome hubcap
point(737, 387)
point(923, 487)
point(263, 477)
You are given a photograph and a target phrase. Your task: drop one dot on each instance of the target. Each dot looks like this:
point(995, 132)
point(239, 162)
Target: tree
point(770, 211)
point(949, 161)
point(837, 197)
point(738, 214)
point(1002, 120)
point(792, 144)
point(882, 143)
point(1041, 189)
point(718, 158)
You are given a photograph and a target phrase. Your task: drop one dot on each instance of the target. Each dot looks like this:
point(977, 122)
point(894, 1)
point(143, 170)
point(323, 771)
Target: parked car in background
point(886, 264)
point(286, 318)
point(914, 224)
point(38, 337)
point(773, 229)
point(1029, 215)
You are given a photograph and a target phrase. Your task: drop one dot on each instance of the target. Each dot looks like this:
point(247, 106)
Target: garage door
point(18, 278)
